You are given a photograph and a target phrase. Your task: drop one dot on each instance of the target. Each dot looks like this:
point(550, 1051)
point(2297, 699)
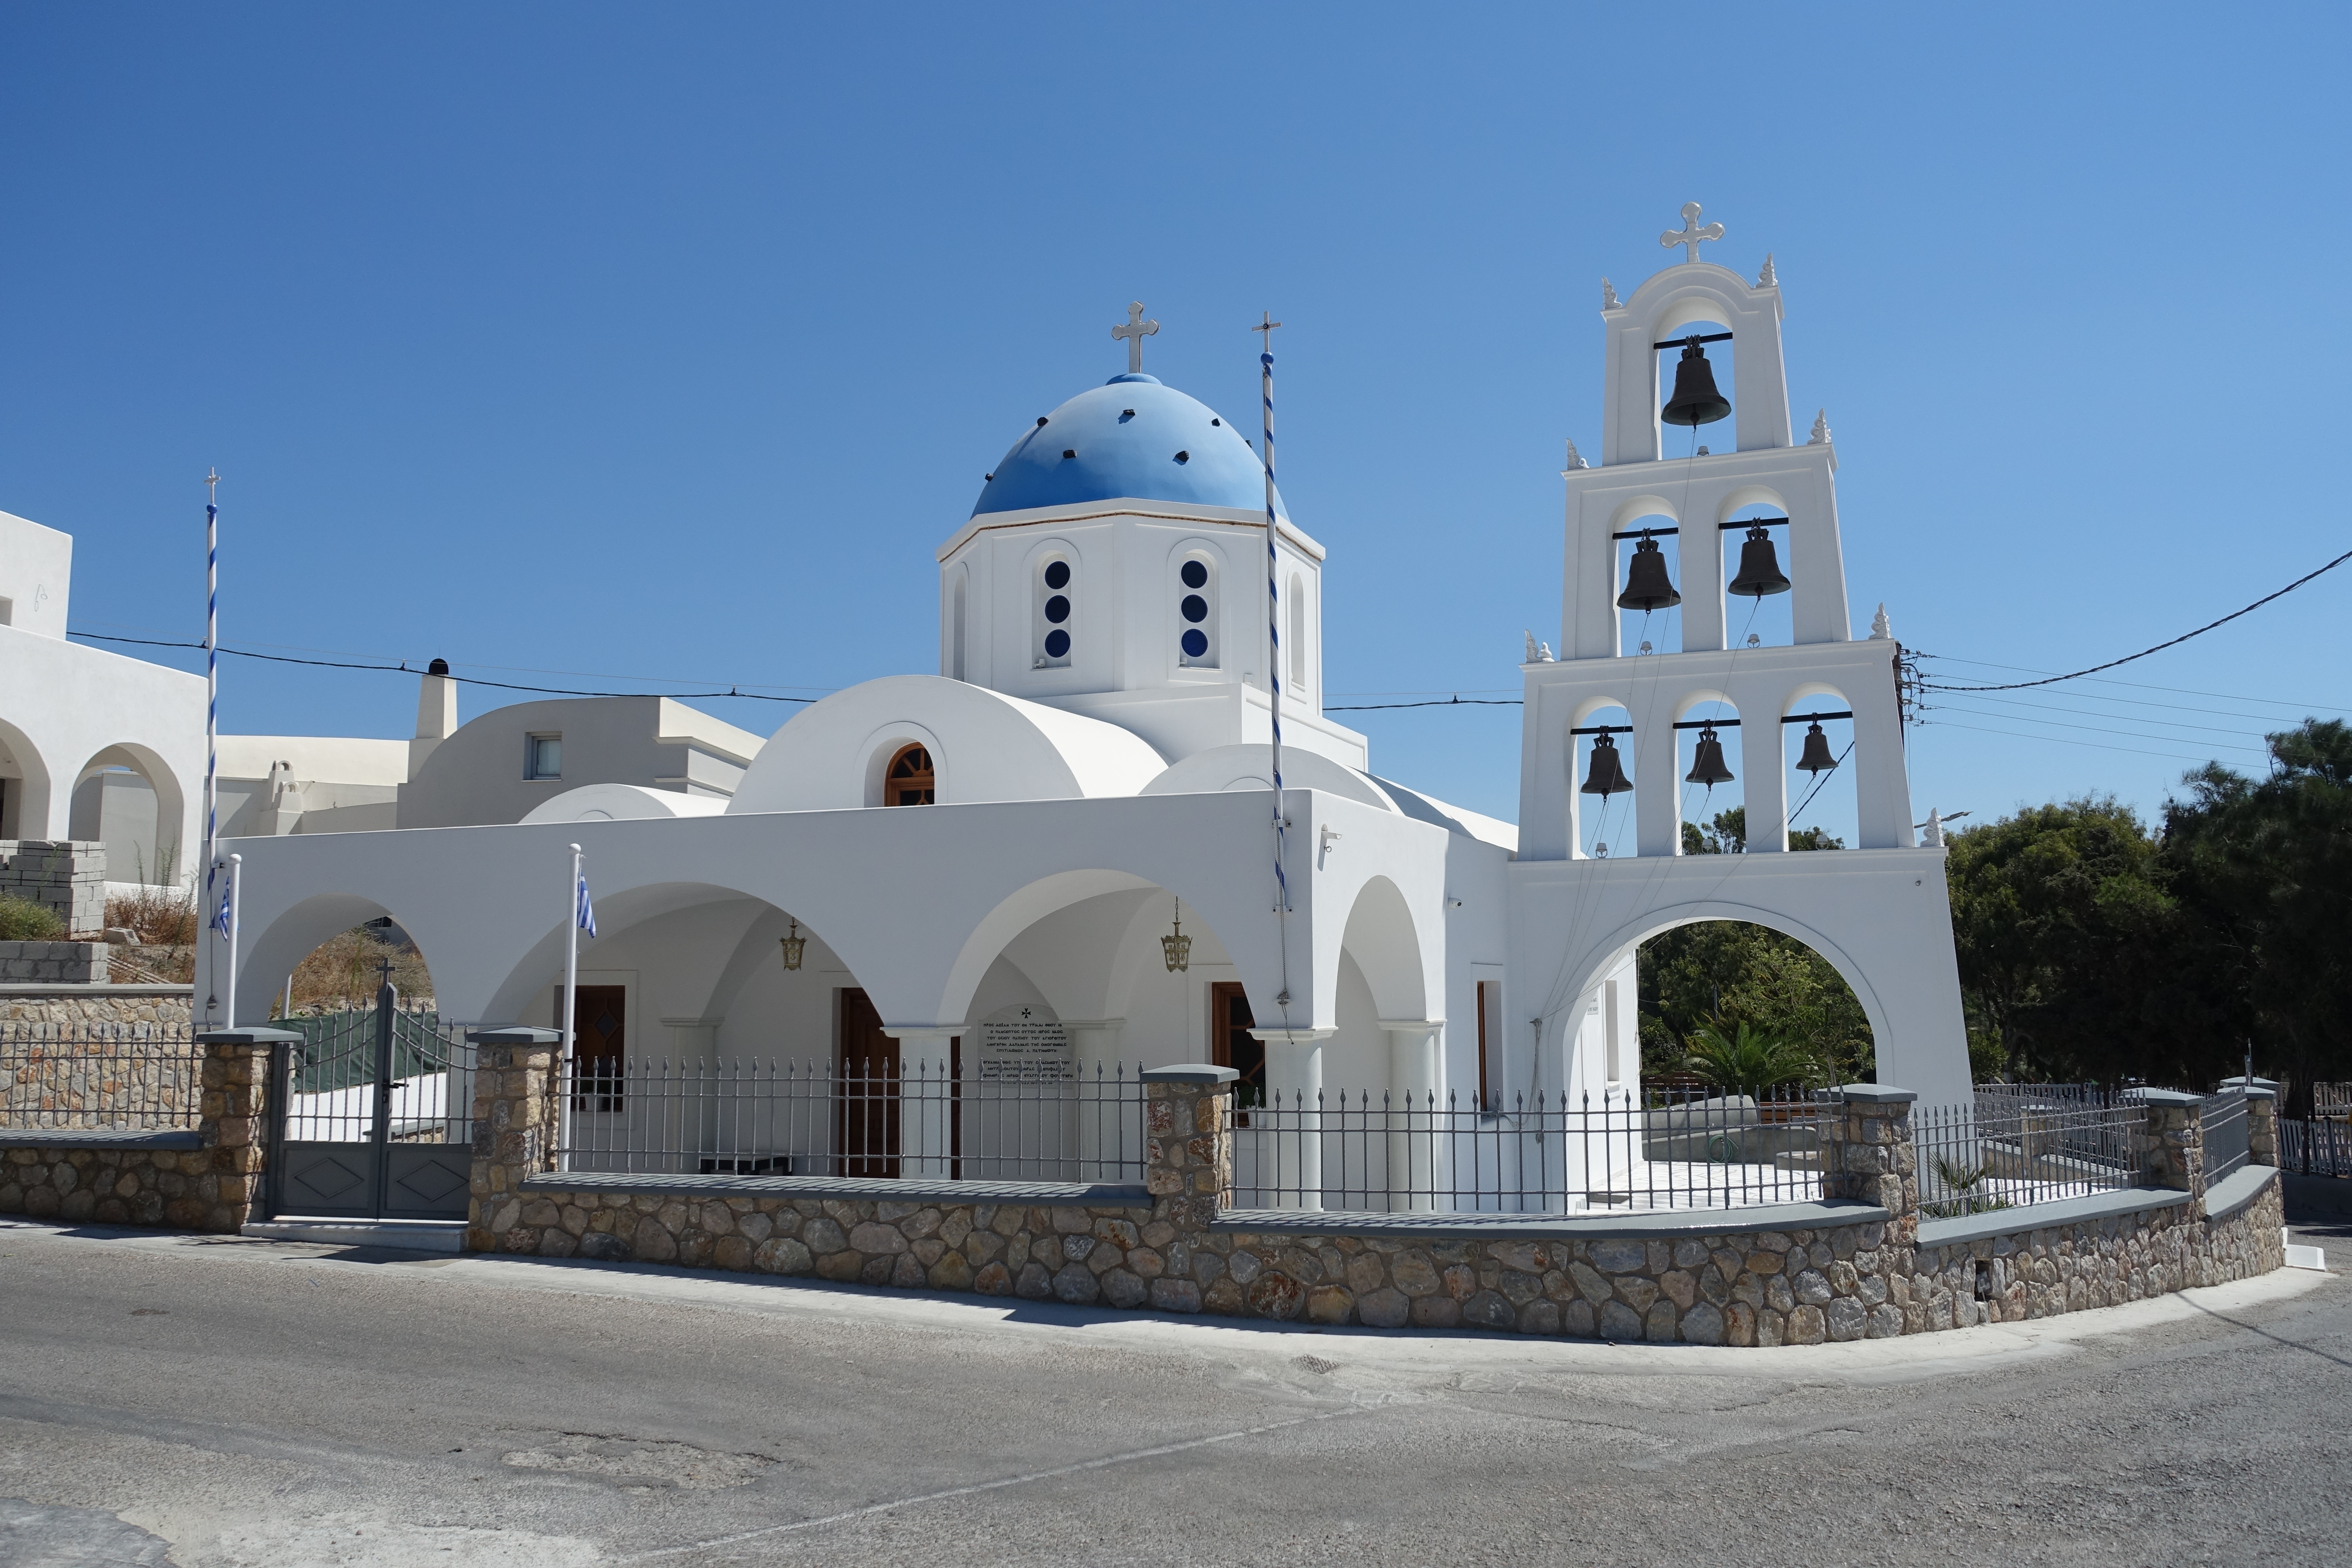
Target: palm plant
point(1744, 1059)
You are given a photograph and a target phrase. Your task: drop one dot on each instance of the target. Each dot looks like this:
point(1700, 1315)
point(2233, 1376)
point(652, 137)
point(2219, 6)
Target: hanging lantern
point(1709, 767)
point(1607, 776)
point(1760, 568)
point(1176, 948)
point(1817, 758)
point(1695, 401)
point(794, 946)
point(1647, 587)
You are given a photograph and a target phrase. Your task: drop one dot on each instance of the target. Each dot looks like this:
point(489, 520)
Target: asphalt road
point(214, 1402)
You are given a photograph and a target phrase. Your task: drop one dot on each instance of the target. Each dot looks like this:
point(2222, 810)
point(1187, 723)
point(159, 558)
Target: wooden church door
point(866, 1120)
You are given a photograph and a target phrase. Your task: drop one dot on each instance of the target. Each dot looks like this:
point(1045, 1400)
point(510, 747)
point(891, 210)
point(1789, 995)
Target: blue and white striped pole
point(211, 695)
point(1273, 622)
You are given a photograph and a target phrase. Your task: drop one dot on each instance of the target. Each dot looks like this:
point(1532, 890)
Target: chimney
point(436, 714)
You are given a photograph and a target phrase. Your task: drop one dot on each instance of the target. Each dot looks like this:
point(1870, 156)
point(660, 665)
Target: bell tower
point(1646, 536)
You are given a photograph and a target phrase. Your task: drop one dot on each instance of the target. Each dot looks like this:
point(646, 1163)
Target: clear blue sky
point(669, 341)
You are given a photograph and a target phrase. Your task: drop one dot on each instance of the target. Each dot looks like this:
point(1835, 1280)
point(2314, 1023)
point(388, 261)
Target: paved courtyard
point(213, 1401)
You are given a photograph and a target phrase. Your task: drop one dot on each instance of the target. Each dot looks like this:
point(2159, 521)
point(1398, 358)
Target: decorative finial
point(1543, 654)
point(1609, 300)
point(1135, 331)
point(1932, 831)
point(1531, 658)
point(1881, 628)
point(1820, 428)
point(1768, 278)
point(1690, 237)
point(1575, 460)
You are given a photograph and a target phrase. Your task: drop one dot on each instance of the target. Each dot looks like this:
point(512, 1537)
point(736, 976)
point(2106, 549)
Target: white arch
point(33, 784)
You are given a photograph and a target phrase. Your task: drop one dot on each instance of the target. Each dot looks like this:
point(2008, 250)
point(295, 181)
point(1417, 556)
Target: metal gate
point(374, 1116)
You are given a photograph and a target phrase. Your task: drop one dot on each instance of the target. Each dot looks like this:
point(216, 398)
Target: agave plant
point(1746, 1060)
point(1961, 1181)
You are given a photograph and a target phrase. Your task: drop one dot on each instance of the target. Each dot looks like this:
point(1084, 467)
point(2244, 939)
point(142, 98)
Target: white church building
point(910, 866)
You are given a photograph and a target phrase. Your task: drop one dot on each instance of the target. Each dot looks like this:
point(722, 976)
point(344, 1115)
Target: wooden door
point(1230, 1044)
point(866, 1125)
point(600, 1046)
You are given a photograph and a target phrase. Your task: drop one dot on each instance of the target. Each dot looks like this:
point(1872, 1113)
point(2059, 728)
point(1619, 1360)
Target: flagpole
point(570, 1000)
point(212, 694)
point(236, 875)
point(1274, 657)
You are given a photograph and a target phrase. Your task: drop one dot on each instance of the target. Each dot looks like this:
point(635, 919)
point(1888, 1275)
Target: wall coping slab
point(2236, 1190)
point(1875, 1094)
point(1189, 1072)
point(99, 1138)
point(1047, 1195)
point(67, 990)
point(2044, 1217)
point(2168, 1096)
point(1652, 1225)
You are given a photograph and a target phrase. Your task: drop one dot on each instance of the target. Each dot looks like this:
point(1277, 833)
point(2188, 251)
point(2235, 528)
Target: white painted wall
point(476, 775)
point(36, 576)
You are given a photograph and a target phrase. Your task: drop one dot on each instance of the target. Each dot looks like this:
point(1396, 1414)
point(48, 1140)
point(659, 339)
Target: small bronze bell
point(1817, 758)
point(1647, 587)
point(1607, 776)
point(1696, 400)
point(1760, 568)
point(1709, 767)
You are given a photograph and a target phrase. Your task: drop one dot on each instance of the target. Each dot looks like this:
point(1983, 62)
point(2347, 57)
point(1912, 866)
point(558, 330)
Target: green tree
point(1729, 972)
point(1744, 1059)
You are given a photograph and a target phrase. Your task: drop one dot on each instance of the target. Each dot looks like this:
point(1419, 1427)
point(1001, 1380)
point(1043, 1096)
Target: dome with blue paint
point(1131, 437)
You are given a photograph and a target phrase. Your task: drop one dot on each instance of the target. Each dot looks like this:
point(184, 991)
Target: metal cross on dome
point(1135, 331)
point(1690, 237)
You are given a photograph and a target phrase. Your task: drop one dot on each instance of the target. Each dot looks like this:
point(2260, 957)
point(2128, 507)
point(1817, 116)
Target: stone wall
point(1849, 1268)
point(54, 962)
point(68, 877)
point(207, 1180)
point(73, 1006)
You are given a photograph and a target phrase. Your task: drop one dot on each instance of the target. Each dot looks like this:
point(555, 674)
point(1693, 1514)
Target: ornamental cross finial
point(1135, 331)
point(1690, 237)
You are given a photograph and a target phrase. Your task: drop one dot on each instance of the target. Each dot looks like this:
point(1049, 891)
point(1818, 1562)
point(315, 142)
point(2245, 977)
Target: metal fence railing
point(1534, 1153)
point(2331, 1101)
point(822, 1119)
point(2227, 1134)
point(138, 1077)
point(2010, 1151)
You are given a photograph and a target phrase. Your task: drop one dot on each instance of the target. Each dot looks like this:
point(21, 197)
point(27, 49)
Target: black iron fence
point(1532, 1153)
point(2010, 1150)
point(426, 1069)
point(140, 1077)
point(2228, 1133)
point(883, 1121)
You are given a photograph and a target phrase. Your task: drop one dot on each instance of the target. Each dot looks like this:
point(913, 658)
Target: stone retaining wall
point(1170, 1249)
point(23, 1006)
point(99, 1076)
point(206, 1180)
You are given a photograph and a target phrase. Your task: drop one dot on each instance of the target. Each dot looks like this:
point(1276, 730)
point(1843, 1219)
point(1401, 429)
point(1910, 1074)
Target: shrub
point(158, 917)
point(21, 920)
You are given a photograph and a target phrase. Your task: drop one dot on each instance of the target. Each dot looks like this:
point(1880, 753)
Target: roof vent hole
point(1070, 452)
point(1184, 456)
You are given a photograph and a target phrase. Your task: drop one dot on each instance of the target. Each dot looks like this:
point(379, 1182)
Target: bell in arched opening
point(1695, 401)
point(1759, 567)
point(1647, 587)
point(1607, 775)
point(1707, 767)
point(1816, 758)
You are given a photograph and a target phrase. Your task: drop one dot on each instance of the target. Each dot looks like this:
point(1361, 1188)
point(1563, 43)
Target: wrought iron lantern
point(1176, 947)
point(794, 946)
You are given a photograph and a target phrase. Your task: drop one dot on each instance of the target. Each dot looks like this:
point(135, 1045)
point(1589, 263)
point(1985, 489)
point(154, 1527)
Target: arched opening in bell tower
point(1601, 788)
point(1818, 746)
point(1710, 763)
point(1693, 350)
point(1758, 571)
point(1648, 584)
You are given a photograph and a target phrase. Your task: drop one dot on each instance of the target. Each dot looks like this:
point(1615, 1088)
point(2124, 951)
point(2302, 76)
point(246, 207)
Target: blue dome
point(1131, 437)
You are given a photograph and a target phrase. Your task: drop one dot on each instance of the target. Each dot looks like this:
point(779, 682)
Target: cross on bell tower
point(1136, 330)
point(1690, 237)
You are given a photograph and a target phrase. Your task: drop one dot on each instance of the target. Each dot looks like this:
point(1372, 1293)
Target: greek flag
point(220, 918)
point(583, 913)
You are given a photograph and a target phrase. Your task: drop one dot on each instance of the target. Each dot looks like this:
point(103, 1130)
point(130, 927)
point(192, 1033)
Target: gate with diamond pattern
point(373, 1116)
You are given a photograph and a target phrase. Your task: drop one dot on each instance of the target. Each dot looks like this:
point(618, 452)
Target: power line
point(2087, 713)
point(1449, 702)
point(2062, 741)
point(401, 668)
point(2175, 642)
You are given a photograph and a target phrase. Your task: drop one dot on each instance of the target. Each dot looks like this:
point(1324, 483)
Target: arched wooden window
point(910, 780)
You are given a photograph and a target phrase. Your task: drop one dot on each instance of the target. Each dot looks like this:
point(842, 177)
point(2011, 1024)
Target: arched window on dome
point(1196, 612)
point(1055, 598)
point(909, 780)
point(957, 621)
point(1297, 633)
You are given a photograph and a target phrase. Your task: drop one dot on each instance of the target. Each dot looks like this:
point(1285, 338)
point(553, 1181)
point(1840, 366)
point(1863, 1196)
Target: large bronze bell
point(1647, 587)
point(1696, 400)
point(1817, 758)
point(1709, 767)
point(1760, 568)
point(1607, 775)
